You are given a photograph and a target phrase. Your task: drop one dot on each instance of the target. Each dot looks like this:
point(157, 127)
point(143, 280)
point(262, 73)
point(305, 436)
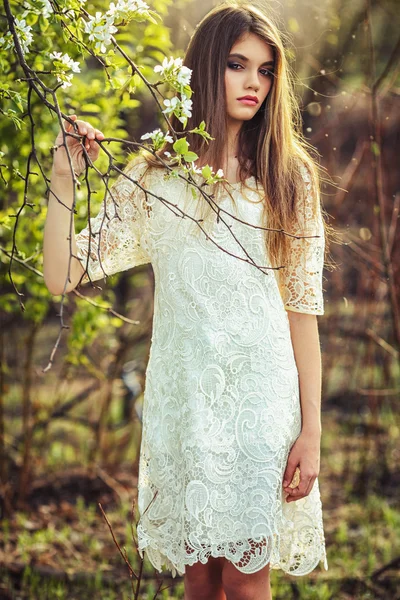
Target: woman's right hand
point(60, 159)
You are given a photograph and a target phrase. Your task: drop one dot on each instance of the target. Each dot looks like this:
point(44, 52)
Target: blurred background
point(72, 371)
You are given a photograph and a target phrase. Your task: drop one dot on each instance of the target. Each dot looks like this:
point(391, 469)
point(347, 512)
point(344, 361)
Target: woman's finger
point(85, 129)
point(82, 127)
point(310, 485)
point(301, 491)
point(68, 125)
point(294, 495)
point(291, 469)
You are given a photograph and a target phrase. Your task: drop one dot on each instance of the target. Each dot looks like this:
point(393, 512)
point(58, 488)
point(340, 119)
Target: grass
point(361, 527)
point(62, 528)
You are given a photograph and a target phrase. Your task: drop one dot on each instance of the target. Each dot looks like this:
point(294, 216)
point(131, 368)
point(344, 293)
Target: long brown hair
point(271, 144)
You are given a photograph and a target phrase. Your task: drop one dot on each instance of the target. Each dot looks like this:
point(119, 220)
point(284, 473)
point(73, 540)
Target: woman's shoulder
point(140, 167)
point(304, 169)
point(307, 181)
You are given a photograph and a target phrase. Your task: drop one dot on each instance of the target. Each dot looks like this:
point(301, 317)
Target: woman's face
point(248, 75)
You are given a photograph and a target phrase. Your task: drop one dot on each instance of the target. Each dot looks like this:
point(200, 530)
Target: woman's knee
point(246, 586)
point(203, 580)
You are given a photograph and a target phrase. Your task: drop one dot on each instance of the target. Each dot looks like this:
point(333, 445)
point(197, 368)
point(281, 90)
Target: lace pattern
point(221, 402)
point(302, 291)
point(112, 242)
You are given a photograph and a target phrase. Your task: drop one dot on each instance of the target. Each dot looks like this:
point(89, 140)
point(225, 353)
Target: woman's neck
point(232, 145)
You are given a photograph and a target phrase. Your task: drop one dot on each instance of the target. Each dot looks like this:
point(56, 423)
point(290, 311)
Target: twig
point(393, 564)
point(121, 492)
point(393, 223)
point(350, 172)
point(378, 172)
point(382, 343)
point(131, 571)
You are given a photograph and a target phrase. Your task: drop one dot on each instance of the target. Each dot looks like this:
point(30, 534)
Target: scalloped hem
point(162, 560)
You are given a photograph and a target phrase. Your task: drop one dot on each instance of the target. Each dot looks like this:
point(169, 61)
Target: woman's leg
point(246, 586)
point(204, 581)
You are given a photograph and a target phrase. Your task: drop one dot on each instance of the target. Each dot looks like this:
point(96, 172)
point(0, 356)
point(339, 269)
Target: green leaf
point(200, 130)
point(43, 24)
point(90, 108)
point(375, 148)
point(17, 101)
point(187, 91)
point(181, 146)
point(31, 19)
point(206, 172)
point(129, 84)
point(190, 156)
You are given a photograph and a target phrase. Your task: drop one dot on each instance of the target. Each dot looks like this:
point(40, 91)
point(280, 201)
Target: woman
point(231, 414)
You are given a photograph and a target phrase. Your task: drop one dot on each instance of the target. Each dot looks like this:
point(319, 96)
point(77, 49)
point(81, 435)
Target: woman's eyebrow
point(268, 62)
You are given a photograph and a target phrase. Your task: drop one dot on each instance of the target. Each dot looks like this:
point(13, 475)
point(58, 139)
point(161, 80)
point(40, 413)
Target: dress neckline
point(238, 183)
point(234, 185)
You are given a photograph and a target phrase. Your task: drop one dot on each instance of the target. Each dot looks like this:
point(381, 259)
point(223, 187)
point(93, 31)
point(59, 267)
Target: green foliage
point(181, 147)
point(87, 323)
point(105, 94)
point(201, 131)
point(361, 535)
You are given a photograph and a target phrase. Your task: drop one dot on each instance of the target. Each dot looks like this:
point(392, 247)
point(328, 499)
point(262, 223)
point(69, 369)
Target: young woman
point(230, 452)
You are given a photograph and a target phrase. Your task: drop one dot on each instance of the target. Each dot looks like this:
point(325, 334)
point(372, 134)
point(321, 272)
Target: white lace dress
point(221, 403)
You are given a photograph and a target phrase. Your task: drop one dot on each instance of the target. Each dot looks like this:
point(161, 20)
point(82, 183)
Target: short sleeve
point(302, 277)
point(117, 234)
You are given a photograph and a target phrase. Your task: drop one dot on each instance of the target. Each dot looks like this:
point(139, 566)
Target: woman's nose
point(253, 81)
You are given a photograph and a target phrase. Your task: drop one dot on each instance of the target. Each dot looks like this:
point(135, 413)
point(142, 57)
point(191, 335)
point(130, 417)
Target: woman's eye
point(265, 72)
point(231, 65)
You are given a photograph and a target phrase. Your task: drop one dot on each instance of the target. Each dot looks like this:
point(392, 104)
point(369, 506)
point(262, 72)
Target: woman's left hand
point(305, 454)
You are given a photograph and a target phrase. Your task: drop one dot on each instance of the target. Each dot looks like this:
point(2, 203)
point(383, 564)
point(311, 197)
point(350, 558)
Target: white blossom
point(24, 35)
point(186, 106)
point(127, 8)
point(180, 107)
point(100, 28)
point(45, 9)
point(171, 104)
point(158, 137)
point(66, 63)
point(172, 70)
point(168, 65)
point(184, 75)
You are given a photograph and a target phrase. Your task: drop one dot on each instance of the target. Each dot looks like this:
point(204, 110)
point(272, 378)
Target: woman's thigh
point(204, 581)
point(246, 586)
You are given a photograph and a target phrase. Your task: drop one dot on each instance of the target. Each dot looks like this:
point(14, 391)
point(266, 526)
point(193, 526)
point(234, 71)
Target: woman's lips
point(247, 101)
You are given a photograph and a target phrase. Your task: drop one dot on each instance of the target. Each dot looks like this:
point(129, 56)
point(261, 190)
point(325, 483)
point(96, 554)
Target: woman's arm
point(58, 264)
point(306, 346)
point(56, 248)
point(305, 452)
